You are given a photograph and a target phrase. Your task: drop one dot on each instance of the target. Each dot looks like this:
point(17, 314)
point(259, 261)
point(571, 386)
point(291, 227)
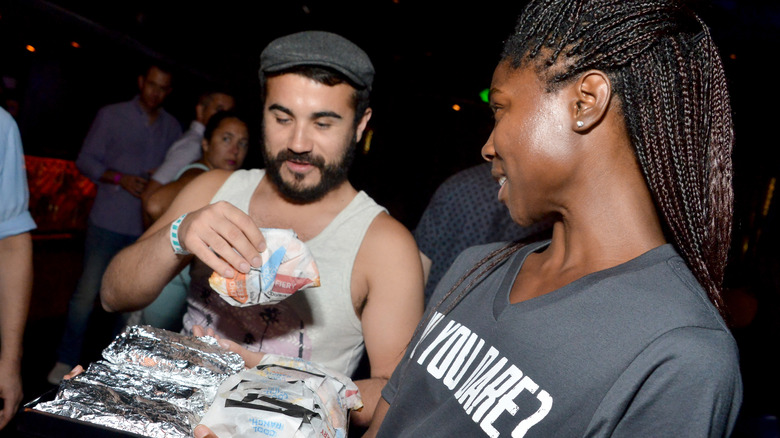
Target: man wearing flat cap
point(315, 91)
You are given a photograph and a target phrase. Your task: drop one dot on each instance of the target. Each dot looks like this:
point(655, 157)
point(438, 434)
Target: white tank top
point(318, 324)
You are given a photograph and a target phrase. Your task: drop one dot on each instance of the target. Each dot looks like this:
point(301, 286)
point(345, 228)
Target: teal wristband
point(177, 248)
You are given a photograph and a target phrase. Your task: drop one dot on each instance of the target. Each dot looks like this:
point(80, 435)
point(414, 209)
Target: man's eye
point(322, 125)
point(282, 121)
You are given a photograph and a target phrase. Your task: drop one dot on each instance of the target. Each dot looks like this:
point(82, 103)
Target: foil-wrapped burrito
point(120, 409)
point(283, 397)
point(175, 357)
point(189, 398)
point(288, 266)
point(152, 382)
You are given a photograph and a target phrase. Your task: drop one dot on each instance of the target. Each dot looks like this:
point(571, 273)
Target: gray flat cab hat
point(318, 48)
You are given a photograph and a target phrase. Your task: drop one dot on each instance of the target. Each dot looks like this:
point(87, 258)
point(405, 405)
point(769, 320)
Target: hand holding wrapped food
point(288, 266)
point(283, 397)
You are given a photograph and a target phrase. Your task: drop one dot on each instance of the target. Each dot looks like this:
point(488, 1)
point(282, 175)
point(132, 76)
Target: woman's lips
point(501, 183)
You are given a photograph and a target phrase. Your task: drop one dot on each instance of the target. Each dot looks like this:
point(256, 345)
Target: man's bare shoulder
point(386, 228)
point(387, 247)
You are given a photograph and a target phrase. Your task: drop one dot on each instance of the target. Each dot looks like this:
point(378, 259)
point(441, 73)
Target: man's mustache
point(305, 157)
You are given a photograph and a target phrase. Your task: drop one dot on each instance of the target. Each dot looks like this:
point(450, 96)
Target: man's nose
point(301, 140)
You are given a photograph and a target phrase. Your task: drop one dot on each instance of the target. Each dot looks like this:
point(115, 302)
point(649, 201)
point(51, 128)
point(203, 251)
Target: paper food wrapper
point(283, 397)
point(288, 266)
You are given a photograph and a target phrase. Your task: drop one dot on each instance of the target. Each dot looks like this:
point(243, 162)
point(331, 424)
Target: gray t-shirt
point(636, 350)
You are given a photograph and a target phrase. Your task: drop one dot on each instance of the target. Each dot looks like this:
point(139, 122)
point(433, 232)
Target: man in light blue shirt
point(15, 264)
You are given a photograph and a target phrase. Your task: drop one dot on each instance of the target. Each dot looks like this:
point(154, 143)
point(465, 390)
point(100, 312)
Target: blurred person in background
point(125, 143)
point(187, 148)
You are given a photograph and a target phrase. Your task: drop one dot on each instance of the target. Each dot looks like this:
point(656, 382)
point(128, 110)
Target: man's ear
point(141, 80)
point(361, 126)
point(204, 145)
point(590, 102)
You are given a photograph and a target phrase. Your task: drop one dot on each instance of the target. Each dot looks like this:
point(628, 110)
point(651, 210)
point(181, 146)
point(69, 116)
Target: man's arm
point(15, 291)
point(137, 274)
point(388, 263)
point(182, 152)
point(92, 157)
point(159, 201)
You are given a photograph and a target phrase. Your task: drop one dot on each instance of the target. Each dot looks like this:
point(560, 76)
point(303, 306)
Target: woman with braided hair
point(612, 118)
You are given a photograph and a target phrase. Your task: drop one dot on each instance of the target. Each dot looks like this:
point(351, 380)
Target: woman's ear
point(204, 144)
point(590, 103)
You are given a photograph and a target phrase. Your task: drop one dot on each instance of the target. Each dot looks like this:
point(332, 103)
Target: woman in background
point(225, 144)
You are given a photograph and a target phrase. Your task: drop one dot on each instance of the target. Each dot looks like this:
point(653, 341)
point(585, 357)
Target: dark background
point(429, 55)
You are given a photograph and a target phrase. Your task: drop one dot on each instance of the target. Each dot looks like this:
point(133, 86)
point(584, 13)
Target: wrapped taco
point(288, 266)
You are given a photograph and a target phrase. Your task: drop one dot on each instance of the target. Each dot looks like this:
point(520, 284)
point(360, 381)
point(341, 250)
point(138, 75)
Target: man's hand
point(10, 391)
point(78, 369)
point(251, 358)
point(223, 237)
point(209, 231)
point(135, 185)
point(202, 431)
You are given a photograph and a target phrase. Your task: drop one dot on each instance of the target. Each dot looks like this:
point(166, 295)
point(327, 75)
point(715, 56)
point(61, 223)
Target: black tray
point(35, 423)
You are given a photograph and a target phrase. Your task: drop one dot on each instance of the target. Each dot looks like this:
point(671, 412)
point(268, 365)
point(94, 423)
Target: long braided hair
point(668, 75)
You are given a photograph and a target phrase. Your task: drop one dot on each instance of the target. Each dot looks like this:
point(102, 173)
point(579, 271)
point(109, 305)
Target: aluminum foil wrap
point(189, 398)
point(173, 357)
point(121, 410)
point(152, 382)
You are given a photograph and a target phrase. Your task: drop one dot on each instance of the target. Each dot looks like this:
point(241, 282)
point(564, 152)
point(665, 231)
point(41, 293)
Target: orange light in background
point(30, 48)
point(75, 45)
point(733, 56)
point(456, 107)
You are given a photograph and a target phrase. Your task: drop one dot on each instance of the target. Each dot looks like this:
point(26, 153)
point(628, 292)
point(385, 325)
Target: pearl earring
point(580, 123)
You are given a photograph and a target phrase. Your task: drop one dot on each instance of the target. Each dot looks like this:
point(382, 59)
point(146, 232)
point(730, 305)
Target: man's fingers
point(202, 431)
point(250, 231)
point(202, 251)
point(78, 369)
point(6, 413)
point(223, 237)
point(199, 331)
point(251, 358)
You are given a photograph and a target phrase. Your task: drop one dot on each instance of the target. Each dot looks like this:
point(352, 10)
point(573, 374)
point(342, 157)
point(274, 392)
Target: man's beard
point(331, 175)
